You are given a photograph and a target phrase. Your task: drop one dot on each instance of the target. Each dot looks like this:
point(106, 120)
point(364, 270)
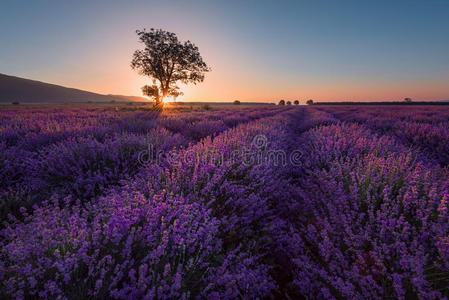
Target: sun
point(167, 100)
point(172, 99)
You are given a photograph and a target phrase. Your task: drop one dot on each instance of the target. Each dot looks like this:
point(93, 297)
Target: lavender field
point(235, 202)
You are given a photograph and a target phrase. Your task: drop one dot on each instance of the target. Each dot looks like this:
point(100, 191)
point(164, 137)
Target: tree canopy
point(167, 60)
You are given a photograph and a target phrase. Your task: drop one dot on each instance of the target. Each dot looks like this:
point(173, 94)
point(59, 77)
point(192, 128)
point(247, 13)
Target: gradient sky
point(258, 50)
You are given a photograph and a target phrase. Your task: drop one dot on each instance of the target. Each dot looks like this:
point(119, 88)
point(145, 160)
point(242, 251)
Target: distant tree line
point(384, 103)
point(282, 102)
point(406, 101)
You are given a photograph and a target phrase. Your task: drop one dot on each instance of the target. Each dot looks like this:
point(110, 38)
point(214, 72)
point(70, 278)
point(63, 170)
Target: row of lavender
point(360, 215)
point(370, 219)
point(177, 230)
point(79, 152)
point(422, 127)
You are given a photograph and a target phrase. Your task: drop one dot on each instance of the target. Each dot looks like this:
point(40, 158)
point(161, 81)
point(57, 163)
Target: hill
point(16, 89)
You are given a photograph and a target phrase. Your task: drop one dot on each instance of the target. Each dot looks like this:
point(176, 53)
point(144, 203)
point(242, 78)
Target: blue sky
point(258, 50)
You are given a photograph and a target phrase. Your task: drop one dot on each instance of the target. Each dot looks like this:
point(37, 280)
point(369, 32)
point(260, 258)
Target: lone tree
point(289, 103)
point(296, 102)
point(236, 102)
point(309, 102)
point(408, 100)
point(282, 102)
point(166, 60)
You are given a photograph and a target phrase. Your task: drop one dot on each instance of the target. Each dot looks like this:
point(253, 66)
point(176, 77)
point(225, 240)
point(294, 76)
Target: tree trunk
point(159, 98)
point(164, 94)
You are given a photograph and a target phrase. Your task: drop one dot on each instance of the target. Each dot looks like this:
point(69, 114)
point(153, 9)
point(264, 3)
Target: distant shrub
point(408, 100)
point(289, 103)
point(237, 102)
point(206, 107)
point(309, 102)
point(282, 102)
point(296, 102)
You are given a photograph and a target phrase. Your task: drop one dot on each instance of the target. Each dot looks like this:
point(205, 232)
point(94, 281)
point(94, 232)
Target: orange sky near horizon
point(219, 87)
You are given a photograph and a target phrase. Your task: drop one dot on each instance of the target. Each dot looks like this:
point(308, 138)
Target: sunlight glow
point(171, 99)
